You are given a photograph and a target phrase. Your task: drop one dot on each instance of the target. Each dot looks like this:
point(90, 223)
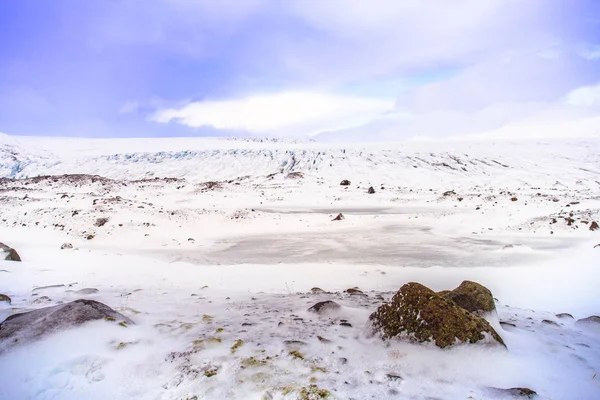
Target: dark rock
point(594, 319)
point(516, 392)
point(549, 322)
point(594, 226)
point(371, 190)
point(322, 339)
point(33, 325)
point(317, 290)
point(504, 323)
point(340, 217)
point(66, 246)
point(324, 307)
point(10, 253)
point(101, 221)
point(394, 377)
point(5, 298)
point(564, 315)
point(417, 313)
point(345, 182)
point(449, 193)
point(346, 324)
point(354, 291)
point(472, 297)
point(295, 175)
point(90, 237)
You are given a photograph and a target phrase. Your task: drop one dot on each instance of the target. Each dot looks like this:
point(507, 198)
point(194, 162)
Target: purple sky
point(356, 69)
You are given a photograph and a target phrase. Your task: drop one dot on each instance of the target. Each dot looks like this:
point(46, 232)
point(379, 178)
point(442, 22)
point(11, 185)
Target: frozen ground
point(225, 245)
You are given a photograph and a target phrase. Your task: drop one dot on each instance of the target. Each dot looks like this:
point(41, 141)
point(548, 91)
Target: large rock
point(593, 320)
point(417, 313)
point(10, 254)
point(325, 307)
point(33, 325)
point(472, 297)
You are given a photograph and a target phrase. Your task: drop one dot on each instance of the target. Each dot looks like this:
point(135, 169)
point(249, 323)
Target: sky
point(328, 70)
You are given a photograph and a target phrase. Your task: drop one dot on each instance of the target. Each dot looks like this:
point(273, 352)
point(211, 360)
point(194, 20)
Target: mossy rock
point(5, 298)
point(418, 314)
point(472, 297)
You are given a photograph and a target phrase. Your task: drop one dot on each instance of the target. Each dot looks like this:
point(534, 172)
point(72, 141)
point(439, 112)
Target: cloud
point(286, 113)
point(585, 96)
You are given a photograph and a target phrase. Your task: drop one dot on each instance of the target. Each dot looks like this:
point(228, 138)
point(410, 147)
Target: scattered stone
point(513, 199)
point(340, 217)
point(317, 290)
point(371, 190)
point(191, 240)
point(5, 298)
point(504, 323)
point(324, 307)
point(322, 339)
point(355, 291)
point(346, 324)
point(10, 253)
point(66, 246)
point(449, 193)
point(417, 313)
point(90, 237)
point(564, 315)
point(101, 221)
point(394, 377)
point(345, 182)
point(34, 325)
point(473, 297)
point(594, 226)
point(516, 392)
point(295, 175)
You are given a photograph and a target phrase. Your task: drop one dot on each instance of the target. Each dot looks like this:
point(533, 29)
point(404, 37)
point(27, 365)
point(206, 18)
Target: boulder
point(416, 313)
point(66, 246)
point(36, 324)
point(345, 182)
point(5, 298)
point(324, 307)
point(371, 190)
point(10, 254)
point(594, 319)
point(472, 297)
point(564, 315)
point(594, 226)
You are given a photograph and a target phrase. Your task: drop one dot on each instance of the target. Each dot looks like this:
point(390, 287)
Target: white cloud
point(585, 96)
point(590, 52)
point(287, 113)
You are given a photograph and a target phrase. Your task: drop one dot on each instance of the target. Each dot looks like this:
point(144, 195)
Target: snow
point(260, 242)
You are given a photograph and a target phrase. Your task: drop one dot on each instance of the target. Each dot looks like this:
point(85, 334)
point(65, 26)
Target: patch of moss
point(253, 362)
point(219, 330)
point(109, 318)
point(207, 318)
point(123, 324)
point(313, 392)
point(238, 343)
point(296, 354)
point(210, 372)
point(472, 297)
point(315, 368)
point(122, 345)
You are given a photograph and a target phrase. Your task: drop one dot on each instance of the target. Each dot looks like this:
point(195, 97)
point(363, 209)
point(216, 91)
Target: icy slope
point(413, 164)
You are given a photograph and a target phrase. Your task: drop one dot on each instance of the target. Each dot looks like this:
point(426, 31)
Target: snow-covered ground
point(209, 241)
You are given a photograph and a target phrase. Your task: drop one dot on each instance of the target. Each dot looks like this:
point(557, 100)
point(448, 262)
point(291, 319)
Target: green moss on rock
point(418, 314)
point(472, 297)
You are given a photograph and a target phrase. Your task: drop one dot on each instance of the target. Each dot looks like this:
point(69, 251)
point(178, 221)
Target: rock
point(87, 291)
point(371, 190)
point(295, 175)
point(101, 221)
point(443, 292)
point(90, 236)
point(5, 298)
point(564, 315)
point(345, 182)
point(191, 240)
point(354, 290)
point(10, 254)
point(417, 313)
point(594, 319)
point(515, 392)
point(340, 217)
point(472, 297)
point(66, 246)
point(325, 307)
point(317, 290)
point(449, 193)
point(34, 325)
point(549, 322)
point(346, 324)
point(594, 226)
